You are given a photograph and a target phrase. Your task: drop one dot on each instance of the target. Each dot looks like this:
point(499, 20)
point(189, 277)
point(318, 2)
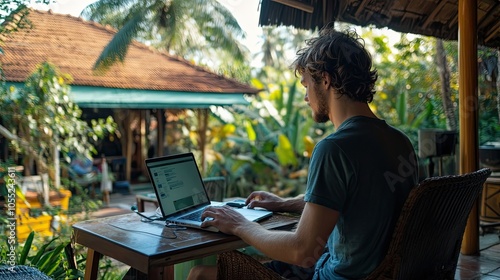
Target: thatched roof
point(431, 18)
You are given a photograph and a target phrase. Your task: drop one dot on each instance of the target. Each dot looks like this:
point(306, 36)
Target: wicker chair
point(216, 187)
point(21, 272)
point(426, 241)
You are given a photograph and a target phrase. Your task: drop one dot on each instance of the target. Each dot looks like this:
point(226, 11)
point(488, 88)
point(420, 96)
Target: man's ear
point(326, 80)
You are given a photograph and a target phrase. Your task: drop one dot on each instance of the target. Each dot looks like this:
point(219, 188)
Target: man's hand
point(275, 203)
point(265, 200)
point(224, 218)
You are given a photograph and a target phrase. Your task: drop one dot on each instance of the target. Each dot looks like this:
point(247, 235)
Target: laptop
point(181, 194)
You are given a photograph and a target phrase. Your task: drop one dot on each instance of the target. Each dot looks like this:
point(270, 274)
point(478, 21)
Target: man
point(359, 177)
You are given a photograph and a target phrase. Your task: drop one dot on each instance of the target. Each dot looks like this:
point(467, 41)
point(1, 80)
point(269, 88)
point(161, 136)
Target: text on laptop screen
point(178, 184)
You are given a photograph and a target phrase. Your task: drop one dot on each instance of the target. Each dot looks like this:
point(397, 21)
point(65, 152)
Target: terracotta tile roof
point(74, 44)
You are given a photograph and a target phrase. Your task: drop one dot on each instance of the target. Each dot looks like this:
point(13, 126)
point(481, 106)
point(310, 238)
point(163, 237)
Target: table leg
point(92, 265)
point(168, 272)
point(161, 273)
point(140, 204)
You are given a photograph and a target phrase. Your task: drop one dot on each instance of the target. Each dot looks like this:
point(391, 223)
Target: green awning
point(96, 97)
point(100, 97)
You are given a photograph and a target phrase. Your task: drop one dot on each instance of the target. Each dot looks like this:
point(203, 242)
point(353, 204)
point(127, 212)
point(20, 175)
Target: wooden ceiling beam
point(361, 7)
point(324, 13)
point(494, 30)
point(453, 22)
point(431, 17)
point(488, 14)
point(404, 10)
point(389, 6)
point(297, 5)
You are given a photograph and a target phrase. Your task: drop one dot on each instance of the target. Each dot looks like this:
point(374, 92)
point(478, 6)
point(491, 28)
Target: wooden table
point(153, 248)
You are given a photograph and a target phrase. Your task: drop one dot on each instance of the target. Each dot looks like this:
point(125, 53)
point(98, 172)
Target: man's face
point(316, 97)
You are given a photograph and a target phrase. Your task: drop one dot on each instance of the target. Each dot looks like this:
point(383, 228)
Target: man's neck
point(343, 108)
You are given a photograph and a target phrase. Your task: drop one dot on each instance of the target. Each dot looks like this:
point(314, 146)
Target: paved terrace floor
point(485, 266)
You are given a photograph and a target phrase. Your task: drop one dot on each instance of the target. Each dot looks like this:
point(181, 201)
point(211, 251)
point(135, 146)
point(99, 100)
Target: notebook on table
point(181, 194)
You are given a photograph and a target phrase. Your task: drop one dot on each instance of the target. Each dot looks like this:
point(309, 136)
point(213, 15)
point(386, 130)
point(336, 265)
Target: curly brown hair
point(343, 56)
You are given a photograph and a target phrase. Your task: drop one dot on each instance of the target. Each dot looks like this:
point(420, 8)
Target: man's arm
point(302, 247)
point(275, 203)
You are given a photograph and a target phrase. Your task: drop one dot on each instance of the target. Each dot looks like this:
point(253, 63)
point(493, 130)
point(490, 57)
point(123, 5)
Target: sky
point(245, 11)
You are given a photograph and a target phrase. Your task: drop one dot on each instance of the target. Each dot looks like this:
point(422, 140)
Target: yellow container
point(40, 224)
point(26, 224)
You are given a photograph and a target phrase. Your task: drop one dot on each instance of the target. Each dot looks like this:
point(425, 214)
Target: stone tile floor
point(486, 266)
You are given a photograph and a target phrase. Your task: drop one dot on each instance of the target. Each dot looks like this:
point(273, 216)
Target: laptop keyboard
point(194, 216)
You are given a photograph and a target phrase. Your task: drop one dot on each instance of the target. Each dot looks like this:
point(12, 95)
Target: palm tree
point(193, 29)
point(280, 45)
point(445, 74)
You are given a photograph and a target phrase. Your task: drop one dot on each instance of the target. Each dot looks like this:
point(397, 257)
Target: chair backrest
point(21, 272)
point(428, 236)
point(216, 187)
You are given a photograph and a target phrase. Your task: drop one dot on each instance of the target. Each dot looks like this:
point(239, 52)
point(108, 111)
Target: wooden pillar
point(129, 144)
point(468, 110)
point(160, 129)
point(202, 136)
point(142, 145)
point(127, 121)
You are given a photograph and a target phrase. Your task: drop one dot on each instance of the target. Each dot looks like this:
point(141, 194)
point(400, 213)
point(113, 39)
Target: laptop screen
point(177, 182)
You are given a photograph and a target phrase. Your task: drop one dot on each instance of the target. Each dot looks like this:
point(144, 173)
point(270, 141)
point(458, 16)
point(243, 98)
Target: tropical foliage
point(489, 95)
point(279, 45)
point(40, 120)
point(57, 257)
point(53, 258)
point(409, 90)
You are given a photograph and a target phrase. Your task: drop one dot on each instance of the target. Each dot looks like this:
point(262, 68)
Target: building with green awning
point(147, 83)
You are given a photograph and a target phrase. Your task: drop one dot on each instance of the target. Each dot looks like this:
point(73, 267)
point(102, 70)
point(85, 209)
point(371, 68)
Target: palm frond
point(229, 21)
point(102, 8)
point(26, 249)
point(15, 19)
point(170, 23)
point(220, 28)
point(117, 48)
point(195, 29)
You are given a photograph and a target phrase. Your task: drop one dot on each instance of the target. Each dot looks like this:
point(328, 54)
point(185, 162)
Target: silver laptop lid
point(177, 183)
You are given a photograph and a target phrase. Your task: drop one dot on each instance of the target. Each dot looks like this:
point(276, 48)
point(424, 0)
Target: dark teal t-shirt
point(365, 170)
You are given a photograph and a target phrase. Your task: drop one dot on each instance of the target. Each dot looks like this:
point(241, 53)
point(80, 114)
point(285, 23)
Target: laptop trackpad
point(253, 214)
